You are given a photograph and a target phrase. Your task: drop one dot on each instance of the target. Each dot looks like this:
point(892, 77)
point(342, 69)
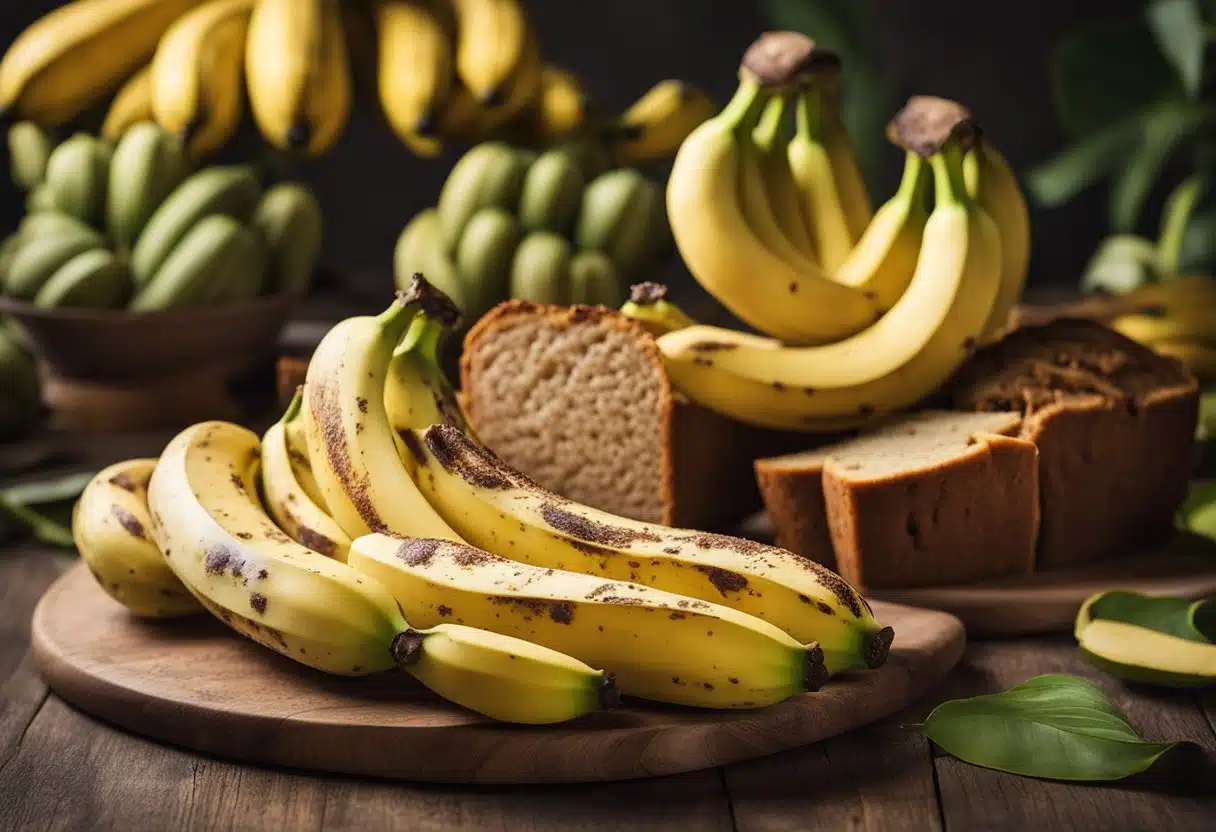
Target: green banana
point(147, 165)
point(615, 217)
point(593, 280)
point(420, 249)
point(76, 174)
point(551, 194)
point(541, 268)
point(50, 223)
point(29, 148)
point(95, 279)
point(8, 250)
point(242, 284)
point(215, 252)
point(232, 191)
point(489, 175)
point(288, 219)
point(40, 199)
point(39, 258)
point(592, 157)
point(483, 257)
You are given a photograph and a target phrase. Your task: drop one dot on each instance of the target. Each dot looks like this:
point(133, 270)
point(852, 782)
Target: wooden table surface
point(60, 769)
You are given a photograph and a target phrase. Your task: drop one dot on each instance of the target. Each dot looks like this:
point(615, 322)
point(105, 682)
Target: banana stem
point(743, 110)
point(808, 114)
point(407, 646)
point(293, 409)
point(772, 121)
point(912, 185)
point(423, 338)
point(1175, 216)
point(950, 183)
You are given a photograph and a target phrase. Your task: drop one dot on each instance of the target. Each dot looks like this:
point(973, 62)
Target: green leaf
point(52, 490)
point(1109, 70)
point(1178, 617)
point(1074, 169)
point(1164, 133)
point(43, 528)
point(1121, 263)
point(1055, 727)
point(1175, 217)
point(1178, 28)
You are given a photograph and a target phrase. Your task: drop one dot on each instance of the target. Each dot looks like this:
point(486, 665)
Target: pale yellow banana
point(562, 105)
point(656, 124)
point(771, 142)
point(994, 186)
point(811, 168)
point(417, 55)
point(491, 47)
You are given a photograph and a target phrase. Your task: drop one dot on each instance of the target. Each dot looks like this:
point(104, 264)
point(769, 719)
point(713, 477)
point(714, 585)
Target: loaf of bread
point(578, 399)
point(1114, 423)
point(934, 498)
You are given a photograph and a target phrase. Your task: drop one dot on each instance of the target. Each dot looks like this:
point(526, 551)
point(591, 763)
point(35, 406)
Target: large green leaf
point(1163, 133)
point(43, 528)
point(50, 490)
point(1056, 727)
point(1076, 168)
point(1178, 28)
point(1175, 217)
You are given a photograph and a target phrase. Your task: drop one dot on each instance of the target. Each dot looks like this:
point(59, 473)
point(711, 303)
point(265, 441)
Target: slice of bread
point(1114, 423)
point(934, 498)
point(578, 399)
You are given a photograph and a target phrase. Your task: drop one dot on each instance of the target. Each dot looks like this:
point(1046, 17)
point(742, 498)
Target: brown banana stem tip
point(878, 648)
point(927, 124)
point(776, 59)
point(433, 302)
point(647, 294)
point(610, 697)
point(406, 647)
point(816, 670)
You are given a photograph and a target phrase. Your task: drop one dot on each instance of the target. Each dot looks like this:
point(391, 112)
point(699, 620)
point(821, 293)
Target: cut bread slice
point(935, 498)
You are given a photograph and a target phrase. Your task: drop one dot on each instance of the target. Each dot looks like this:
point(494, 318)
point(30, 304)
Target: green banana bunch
point(546, 269)
point(38, 257)
point(148, 163)
point(616, 217)
point(29, 148)
point(94, 279)
point(491, 175)
point(551, 193)
point(288, 219)
point(484, 255)
point(76, 174)
point(216, 261)
point(420, 249)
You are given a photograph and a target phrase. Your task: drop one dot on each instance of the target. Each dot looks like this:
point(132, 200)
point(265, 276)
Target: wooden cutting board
point(191, 682)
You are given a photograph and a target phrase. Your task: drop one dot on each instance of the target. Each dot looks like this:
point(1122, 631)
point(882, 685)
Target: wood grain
point(193, 683)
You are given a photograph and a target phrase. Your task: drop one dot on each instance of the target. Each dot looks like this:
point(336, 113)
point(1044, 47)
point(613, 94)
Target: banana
point(69, 58)
point(993, 184)
point(40, 257)
point(484, 256)
point(507, 678)
point(292, 509)
point(52, 223)
point(648, 305)
point(417, 43)
point(489, 175)
point(562, 105)
point(551, 193)
point(8, 250)
point(76, 174)
point(29, 148)
point(540, 271)
point(657, 644)
point(40, 199)
point(297, 456)
point(491, 47)
point(420, 249)
point(298, 73)
point(132, 104)
point(906, 354)
point(616, 218)
point(288, 221)
point(197, 72)
point(797, 304)
point(113, 531)
point(846, 172)
point(233, 191)
point(217, 254)
point(656, 124)
point(148, 163)
point(416, 391)
point(1199, 359)
point(771, 146)
point(1152, 329)
point(94, 279)
point(593, 280)
point(811, 169)
point(351, 442)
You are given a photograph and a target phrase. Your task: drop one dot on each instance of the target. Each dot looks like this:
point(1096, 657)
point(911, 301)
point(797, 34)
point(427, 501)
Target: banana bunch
point(863, 312)
point(1175, 317)
point(132, 225)
point(558, 227)
point(20, 387)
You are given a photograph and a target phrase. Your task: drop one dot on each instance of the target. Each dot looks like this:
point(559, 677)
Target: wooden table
point(62, 770)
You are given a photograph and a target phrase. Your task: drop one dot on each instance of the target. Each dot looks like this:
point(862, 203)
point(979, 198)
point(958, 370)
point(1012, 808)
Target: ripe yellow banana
point(659, 645)
point(113, 532)
point(562, 105)
point(296, 438)
point(994, 186)
point(780, 189)
point(725, 255)
point(492, 46)
point(318, 611)
point(648, 305)
point(903, 357)
point(298, 73)
point(288, 503)
point(811, 167)
point(197, 89)
point(850, 184)
point(417, 53)
point(71, 57)
point(1153, 329)
point(656, 124)
point(351, 442)
point(131, 105)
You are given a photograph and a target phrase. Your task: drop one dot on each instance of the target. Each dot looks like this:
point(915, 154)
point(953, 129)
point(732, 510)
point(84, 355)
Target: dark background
point(991, 56)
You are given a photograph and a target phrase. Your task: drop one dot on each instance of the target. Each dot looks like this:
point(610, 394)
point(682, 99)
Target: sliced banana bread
point(934, 498)
point(1114, 423)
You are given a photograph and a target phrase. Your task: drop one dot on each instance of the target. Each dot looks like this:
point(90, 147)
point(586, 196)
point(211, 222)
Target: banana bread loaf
point(934, 498)
point(1114, 423)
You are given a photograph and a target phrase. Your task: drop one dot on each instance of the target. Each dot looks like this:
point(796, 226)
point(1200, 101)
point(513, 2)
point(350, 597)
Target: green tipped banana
point(615, 218)
point(95, 279)
point(593, 280)
point(76, 175)
point(552, 192)
point(52, 223)
point(216, 253)
point(230, 191)
point(489, 175)
point(541, 268)
point(288, 219)
point(420, 249)
point(39, 258)
point(29, 148)
point(483, 257)
point(147, 165)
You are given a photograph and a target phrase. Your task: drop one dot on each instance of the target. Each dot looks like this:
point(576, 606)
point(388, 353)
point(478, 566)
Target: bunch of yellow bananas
point(1176, 317)
point(868, 311)
point(362, 510)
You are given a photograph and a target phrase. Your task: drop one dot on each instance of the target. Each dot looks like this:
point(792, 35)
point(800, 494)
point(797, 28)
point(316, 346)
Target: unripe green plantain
point(8, 250)
point(288, 220)
point(76, 174)
point(420, 249)
point(232, 191)
point(147, 165)
point(593, 280)
point(484, 255)
point(489, 175)
point(541, 269)
point(552, 192)
point(37, 259)
point(616, 214)
point(95, 279)
point(40, 199)
point(50, 223)
point(216, 251)
point(29, 148)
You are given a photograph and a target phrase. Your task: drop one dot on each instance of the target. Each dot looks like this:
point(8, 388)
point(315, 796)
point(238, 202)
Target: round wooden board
point(193, 683)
